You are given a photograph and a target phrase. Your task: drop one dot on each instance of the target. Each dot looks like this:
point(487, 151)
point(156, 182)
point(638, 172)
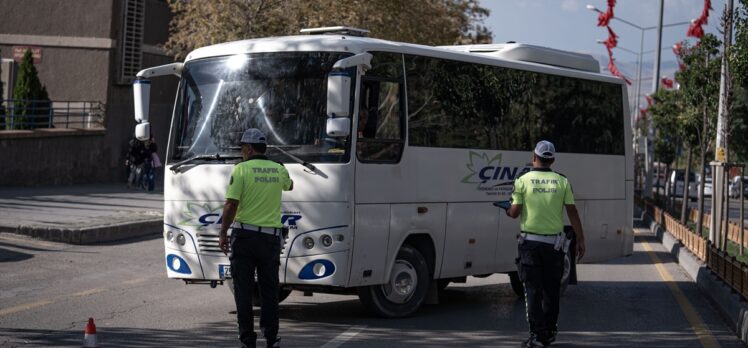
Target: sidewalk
point(81, 214)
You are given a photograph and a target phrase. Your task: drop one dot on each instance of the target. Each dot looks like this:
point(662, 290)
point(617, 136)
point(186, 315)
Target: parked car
point(707, 186)
point(676, 182)
point(734, 186)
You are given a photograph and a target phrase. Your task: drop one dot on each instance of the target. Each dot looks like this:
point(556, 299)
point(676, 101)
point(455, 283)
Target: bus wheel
point(567, 272)
point(519, 288)
point(256, 299)
point(405, 290)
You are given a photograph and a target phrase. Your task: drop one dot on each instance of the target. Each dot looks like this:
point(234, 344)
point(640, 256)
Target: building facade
point(85, 51)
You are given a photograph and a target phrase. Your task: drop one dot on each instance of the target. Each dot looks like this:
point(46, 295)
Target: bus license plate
point(224, 271)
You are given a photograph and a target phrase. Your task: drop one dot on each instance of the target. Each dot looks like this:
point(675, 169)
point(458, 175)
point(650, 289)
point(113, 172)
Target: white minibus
point(397, 151)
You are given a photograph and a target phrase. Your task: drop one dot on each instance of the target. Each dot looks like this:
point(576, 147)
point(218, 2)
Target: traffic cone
point(89, 336)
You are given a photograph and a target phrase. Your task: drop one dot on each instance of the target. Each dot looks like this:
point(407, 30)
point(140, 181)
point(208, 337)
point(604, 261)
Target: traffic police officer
point(252, 209)
point(539, 198)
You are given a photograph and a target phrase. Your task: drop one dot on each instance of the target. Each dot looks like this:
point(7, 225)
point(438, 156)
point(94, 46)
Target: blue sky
point(569, 25)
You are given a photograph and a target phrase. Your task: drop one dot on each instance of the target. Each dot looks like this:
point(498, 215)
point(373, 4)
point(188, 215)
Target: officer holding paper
point(539, 199)
point(253, 211)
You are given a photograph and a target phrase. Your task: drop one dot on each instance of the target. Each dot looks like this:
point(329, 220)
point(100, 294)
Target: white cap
point(545, 149)
point(253, 136)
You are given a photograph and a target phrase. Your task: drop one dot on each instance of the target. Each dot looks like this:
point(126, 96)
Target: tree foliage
point(667, 117)
point(32, 101)
point(738, 56)
point(200, 23)
point(699, 89)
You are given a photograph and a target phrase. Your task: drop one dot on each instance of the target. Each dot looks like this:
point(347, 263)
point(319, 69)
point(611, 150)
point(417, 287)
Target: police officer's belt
point(274, 231)
point(548, 239)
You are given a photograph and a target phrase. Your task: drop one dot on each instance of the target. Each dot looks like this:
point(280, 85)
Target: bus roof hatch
point(339, 30)
point(534, 54)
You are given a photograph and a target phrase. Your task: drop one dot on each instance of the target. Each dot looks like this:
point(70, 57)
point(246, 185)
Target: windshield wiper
point(216, 157)
point(296, 159)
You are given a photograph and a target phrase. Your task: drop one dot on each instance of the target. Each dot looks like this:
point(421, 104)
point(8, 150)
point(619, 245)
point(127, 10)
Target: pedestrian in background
point(137, 154)
point(539, 199)
point(252, 210)
point(151, 159)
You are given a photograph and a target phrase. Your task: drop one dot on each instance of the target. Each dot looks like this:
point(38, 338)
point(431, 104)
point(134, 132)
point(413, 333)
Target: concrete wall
point(82, 18)
point(80, 61)
point(53, 157)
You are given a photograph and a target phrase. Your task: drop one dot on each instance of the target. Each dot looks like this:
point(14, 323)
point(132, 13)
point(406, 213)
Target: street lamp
point(648, 153)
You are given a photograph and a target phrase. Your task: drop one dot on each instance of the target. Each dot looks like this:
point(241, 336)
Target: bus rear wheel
point(405, 290)
point(519, 288)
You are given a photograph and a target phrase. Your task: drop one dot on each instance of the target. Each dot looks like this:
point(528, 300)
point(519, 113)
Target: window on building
point(131, 40)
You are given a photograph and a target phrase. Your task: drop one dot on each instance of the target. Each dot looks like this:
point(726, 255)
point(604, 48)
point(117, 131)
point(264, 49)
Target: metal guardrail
point(729, 269)
point(30, 114)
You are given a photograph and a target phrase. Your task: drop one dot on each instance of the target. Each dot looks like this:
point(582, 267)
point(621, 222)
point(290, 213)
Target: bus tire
point(519, 288)
point(405, 290)
point(256, 299)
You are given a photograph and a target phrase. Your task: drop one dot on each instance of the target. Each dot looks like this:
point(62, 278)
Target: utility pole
point(720, 152)
point(649, 144)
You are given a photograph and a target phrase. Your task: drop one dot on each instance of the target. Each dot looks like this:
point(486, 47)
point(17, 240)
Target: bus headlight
point(308, 242)
point(326, 240)
point(180, 239)
point(170, 236)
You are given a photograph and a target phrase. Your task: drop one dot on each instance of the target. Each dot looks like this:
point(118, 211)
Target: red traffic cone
point(89, 337)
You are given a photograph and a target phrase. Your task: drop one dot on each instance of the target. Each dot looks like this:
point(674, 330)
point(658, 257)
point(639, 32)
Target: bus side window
point(380, 128)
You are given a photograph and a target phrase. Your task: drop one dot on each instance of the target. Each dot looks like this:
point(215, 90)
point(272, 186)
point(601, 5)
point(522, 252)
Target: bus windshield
point(282, 94)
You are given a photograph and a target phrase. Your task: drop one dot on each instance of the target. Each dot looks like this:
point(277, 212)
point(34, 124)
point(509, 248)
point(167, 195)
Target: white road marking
point(344, 337)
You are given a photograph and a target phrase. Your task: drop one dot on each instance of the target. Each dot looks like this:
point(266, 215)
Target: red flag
point(695, 30)
point(615, 72)
point(612, 40)
point(705, 12)
point(667, 82)
point(677, 48)
point(604, 19)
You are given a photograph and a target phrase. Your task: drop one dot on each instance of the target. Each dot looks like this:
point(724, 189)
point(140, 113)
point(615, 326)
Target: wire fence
point(30, 114)
point(728, 268)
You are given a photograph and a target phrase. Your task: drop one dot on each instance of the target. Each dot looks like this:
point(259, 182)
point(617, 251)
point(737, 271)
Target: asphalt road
point(49, 290)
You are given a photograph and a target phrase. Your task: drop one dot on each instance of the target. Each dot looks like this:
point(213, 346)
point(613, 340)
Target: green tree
point(665, 112)
point(200, 23)
point(699, 87)
point(31, 109)
point(738, 55)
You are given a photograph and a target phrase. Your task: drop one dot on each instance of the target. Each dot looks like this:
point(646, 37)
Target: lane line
point(697, 324)
point(32, 305)
point(134, 281)
point(88, 292)
point(344, 337)
point(24, 307)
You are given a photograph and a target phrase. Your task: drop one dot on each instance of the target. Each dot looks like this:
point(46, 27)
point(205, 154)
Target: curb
point(729, 304)
point(90, 235)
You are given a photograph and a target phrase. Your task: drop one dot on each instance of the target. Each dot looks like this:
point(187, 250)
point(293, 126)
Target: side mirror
point(143, 131)
point(141, 96)
point(338, 127)
point(338, 95)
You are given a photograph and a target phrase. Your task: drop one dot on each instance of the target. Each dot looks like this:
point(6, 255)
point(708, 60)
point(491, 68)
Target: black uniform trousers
point(540, 268)
point(252, 250)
